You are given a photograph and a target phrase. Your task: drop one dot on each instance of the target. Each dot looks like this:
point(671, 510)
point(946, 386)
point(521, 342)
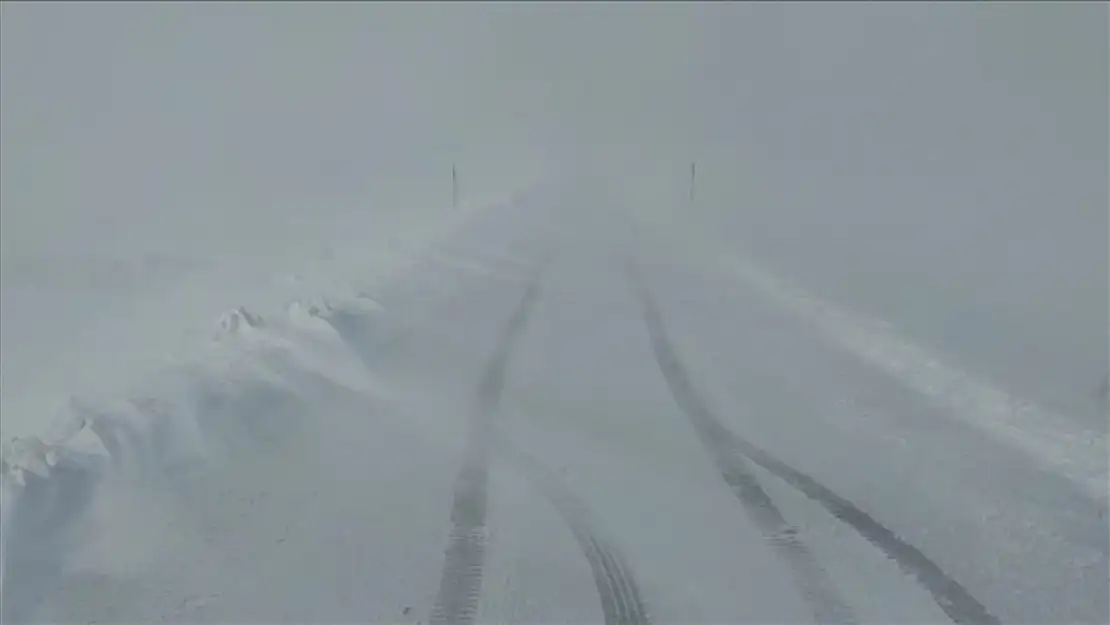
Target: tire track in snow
point(460, 585)
point(621, 603)
point(729, 449)
point(461, 580)
point(812, 579)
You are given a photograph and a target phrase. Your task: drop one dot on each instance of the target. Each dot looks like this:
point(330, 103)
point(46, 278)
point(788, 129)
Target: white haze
point(941, 168)
point(942, 163)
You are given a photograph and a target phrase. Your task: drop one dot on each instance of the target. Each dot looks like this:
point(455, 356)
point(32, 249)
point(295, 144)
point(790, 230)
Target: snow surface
point(255, 369)
point(303, 468)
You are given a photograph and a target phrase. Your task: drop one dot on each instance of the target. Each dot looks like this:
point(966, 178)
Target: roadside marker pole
point(693, 174)
point(454, 187)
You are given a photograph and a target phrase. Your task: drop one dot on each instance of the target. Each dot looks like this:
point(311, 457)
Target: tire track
point(812, 579)
point(460, 588)
point(621, 603)
point(460, 584)
point(729, 450)
point(461, 581)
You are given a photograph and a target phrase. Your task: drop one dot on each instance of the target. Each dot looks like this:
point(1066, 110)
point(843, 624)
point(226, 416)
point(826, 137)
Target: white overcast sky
point(134, 112)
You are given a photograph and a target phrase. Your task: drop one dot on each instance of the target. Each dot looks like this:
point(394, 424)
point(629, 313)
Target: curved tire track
point(621, 603)
point(461, 581)
point(460, 584)
point(812, 579)
point(728, 449)
point(460, 587)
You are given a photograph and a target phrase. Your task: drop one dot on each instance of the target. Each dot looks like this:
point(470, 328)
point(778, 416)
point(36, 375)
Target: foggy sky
point(149, 107)
point(944, 164)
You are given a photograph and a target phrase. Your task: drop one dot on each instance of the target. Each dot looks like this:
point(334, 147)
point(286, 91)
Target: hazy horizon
point(948, 143)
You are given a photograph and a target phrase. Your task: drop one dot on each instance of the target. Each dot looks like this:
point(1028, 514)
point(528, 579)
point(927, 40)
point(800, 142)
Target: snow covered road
point(563, 413)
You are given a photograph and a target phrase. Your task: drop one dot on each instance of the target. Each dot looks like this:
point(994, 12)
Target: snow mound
point(190, 414)
point(25, 455)
point(190, 418)
point(238, 320)
point(310, 315)
point(301, 309)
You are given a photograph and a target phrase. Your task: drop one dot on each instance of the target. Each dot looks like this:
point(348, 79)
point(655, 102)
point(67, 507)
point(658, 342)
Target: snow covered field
point(255, 368)
point(556, 414)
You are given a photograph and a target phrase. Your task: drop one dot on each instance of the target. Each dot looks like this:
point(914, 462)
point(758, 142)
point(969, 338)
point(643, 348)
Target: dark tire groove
point(729, 451)
point(621, 602)
point(460, 586)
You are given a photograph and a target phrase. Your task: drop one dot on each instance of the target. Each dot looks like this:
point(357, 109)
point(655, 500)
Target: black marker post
point(454, 187)
point(693, 175)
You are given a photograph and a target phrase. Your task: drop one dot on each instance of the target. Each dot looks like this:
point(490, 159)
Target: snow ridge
point(245, 387)
point(248, 390)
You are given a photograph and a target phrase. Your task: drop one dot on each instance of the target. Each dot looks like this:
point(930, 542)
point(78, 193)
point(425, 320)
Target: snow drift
point(79, 495)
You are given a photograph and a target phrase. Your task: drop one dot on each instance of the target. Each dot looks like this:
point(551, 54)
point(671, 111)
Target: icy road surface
point(562, 414)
